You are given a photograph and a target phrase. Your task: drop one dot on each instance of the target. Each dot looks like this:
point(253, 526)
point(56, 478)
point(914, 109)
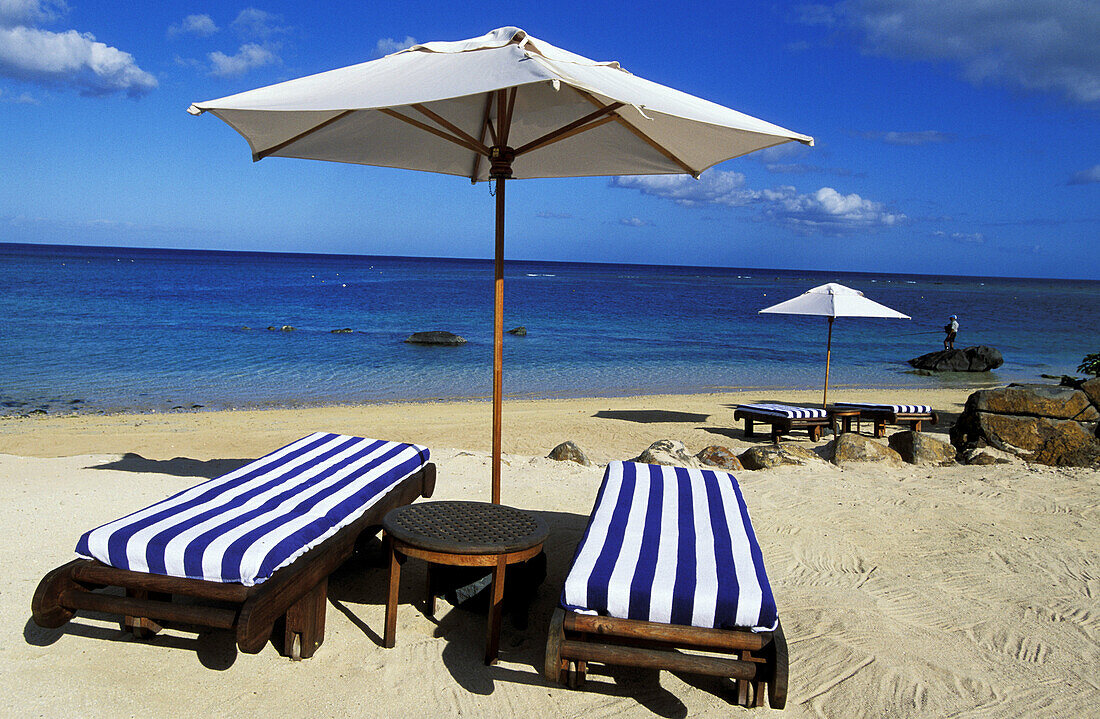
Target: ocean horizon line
point(302, 254)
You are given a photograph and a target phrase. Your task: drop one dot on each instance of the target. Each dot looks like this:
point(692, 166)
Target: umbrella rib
point(641, 135)
point(506, 120)
point(428, 128)
point(444, 122)
point(257, 156)
point(481, 134)
point(589, 122)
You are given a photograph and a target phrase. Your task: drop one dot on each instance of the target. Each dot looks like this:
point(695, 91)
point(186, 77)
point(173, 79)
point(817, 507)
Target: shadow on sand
point(177, 466)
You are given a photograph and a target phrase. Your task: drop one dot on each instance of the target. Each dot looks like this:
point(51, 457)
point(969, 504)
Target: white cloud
point(389, 45)
point(1086, 177)
point(634, 222)
point(248, 57)
point(967, 238)
point(70, 59)
point(254, 23)
point(920, 137)
point(21, 99)
point(29, 12)
point(825, 210)
point(548, 215)
point(1036, 45)
point(200, 25)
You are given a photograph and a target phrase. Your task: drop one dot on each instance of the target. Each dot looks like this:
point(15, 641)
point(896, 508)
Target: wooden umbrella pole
point(828, 355)
point(498, 338)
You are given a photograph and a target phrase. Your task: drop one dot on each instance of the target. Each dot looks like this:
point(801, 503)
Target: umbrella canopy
point(503, 105)
point(832, 300)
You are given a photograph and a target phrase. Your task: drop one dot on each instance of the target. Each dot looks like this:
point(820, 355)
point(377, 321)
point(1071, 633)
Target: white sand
point(962, 591)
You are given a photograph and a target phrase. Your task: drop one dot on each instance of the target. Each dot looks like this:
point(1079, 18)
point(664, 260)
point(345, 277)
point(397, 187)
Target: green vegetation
point(1091, 364)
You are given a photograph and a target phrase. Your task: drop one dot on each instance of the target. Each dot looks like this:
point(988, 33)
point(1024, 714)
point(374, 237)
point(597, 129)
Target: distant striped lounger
point(902, 414)
point(783, 418)
point(265, 537)
point(669, 562)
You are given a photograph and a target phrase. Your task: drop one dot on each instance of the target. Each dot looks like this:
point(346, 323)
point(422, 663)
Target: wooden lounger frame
point(884, 416)
point(296, 592)
point(756, 661)
point(782, 425)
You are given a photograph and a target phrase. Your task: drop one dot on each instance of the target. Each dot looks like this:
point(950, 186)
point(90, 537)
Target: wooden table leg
point(748, 427)
point(495, 611)
point(390, 635)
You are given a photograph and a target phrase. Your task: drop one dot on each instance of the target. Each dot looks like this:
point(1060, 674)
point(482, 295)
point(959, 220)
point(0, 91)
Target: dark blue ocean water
point(110, 329)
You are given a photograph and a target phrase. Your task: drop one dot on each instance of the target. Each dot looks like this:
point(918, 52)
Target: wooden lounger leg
point(142, 627)
point(305, 623)
point(748, 428)
point(915, 425)
point(880, 428)
point(776, 655)
point(555, 668)
point(46, 608)
point(815, 432)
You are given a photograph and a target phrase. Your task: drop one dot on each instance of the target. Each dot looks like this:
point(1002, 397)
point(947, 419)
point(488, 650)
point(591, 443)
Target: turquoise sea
point(93, 329)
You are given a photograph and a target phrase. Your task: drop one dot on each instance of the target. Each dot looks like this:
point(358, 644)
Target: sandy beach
point(904, 591)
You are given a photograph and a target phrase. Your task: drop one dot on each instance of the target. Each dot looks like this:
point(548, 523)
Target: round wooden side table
point(466, 534)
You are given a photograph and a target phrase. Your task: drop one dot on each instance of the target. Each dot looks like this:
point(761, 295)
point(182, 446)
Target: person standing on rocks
point(952, 329)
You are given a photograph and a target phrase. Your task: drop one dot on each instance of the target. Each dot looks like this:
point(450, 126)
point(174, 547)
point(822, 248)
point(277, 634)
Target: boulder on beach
point(971, 359)
point(851, 447)
point(669, 452)
point(1048, 424)
point(775, 455)
point(720, 457)
point(921, 448)
point(569, 452)
point(436, 337)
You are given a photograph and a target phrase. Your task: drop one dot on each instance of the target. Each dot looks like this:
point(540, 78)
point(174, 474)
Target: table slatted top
point(465, 527)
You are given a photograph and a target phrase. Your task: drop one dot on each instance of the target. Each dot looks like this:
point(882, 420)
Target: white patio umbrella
point(504, 105)
point(832, 300)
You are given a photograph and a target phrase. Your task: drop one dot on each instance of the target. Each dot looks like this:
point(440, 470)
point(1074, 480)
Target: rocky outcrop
point(986, 455)
point(284, 328)
point(1091, 388)
point(341, 331)
point(436, 337)
point(669, 452)
point(921, 448)
point(720, 457)
point(776, 455)
point(1048, 424)
point(971, 359)
point(569, 452)
point(850, 447)
point(518, 331)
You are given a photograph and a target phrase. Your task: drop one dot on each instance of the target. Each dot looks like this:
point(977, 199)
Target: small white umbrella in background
point(504, 105)
point(832, 301)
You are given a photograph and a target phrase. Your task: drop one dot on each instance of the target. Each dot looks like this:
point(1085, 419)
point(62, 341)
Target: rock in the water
point(775, 455)
point(986, 456)
point(669, 452)
point(518, 331)
point(284, 328)
point(852, 447)
point(971, 359)
point(921, 448)
point(342, 331)
point(721, 457)
point(436, 337)
point(569, 452)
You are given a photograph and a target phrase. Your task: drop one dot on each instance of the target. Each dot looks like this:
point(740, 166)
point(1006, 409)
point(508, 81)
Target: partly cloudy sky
point(950, 137)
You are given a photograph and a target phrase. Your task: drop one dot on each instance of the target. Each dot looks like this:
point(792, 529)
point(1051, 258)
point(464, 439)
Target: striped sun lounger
point(264, 537)
point(783, 418)
point(669, 557)
point(903, 414)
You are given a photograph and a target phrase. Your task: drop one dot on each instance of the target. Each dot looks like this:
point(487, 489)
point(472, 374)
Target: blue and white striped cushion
point(244, 525)
point(895, 408)
point(671, 545)
point(785, 410)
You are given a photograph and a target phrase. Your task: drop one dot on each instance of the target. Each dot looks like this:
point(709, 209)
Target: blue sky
point(952, 138)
